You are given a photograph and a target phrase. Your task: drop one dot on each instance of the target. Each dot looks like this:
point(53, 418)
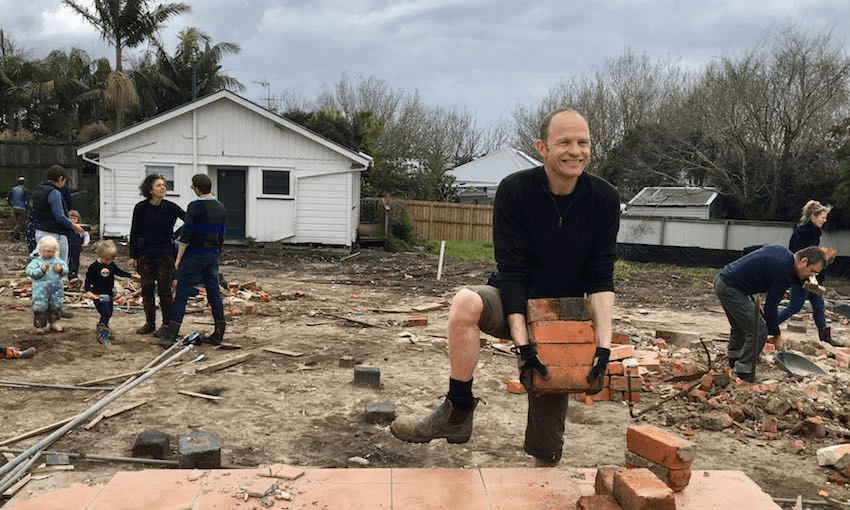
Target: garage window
point(277, 183)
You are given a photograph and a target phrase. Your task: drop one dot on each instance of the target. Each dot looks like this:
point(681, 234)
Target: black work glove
point(529, 363)
point(596, 377)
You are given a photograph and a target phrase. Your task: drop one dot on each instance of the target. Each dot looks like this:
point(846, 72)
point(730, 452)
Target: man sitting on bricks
point(771, 269)
point(555, 232)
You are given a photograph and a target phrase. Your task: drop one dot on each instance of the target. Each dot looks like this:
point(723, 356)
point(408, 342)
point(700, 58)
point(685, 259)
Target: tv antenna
point(267, 86)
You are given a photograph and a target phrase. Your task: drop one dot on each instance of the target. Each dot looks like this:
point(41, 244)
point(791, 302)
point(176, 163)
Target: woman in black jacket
point(808, 234)
point(152, 249)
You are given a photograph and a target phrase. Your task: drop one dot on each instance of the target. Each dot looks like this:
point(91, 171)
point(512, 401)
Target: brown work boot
point(446, 421)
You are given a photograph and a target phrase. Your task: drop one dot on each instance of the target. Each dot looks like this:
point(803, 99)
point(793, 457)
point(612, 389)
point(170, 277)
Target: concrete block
point(199, 449)
point(660, 447)
point(56, 459)
point(640, 489)
point(152, 444)
point(379, 413)
point(367, 376)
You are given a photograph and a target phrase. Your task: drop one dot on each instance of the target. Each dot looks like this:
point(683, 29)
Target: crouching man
point(555, 232)
point(771, 269)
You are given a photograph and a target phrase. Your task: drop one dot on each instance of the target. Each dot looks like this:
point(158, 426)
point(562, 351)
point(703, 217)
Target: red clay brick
point(684, 367)
point(553, 309)
point(676, 479)
point(604, 484)
point(706, 382)
point(640, 489)
point(416, 321)
point(621, 383)
point(614, 368)
point(514, 386)
point(619, 352)
point(561, 332)
point(659, 447)
point(597, 503)
point(566, 355)
point(620, 338)
point(563, 379)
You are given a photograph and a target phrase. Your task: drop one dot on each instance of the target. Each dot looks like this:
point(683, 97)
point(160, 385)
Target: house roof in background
point(225, 95)
point(685, 196)
point(489, 170)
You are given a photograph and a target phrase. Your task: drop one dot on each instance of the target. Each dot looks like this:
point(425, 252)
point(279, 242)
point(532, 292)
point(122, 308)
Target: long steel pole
point(108, 399)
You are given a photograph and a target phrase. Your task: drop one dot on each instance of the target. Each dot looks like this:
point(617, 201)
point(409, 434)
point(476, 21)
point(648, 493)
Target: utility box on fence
point(562, 331)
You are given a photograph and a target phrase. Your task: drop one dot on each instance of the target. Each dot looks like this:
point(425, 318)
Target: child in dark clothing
point(100, 280)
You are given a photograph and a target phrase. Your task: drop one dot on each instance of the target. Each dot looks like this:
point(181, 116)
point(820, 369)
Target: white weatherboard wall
point(716, 234)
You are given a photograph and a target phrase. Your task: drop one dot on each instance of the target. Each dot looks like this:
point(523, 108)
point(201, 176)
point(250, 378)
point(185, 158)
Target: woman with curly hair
point(152, 249)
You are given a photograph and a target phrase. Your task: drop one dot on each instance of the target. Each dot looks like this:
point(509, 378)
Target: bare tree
point(628, 91)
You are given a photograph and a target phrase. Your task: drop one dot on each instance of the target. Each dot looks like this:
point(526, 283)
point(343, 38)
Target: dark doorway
point(231, 193)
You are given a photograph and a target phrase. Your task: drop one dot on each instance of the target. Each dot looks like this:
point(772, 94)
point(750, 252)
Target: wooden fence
point(447, 221)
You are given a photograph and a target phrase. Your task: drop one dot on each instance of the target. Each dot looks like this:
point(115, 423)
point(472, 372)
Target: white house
point(476, 181)
point(278, 180)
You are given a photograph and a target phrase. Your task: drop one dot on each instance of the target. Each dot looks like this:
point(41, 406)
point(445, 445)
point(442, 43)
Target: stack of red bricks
point(657, 465)
point(562, 331)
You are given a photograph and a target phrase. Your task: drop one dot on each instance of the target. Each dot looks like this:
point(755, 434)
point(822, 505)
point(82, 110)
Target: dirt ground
point(305, 410)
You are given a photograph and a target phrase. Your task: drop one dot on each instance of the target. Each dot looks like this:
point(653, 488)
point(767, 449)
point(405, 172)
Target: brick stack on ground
point(667, 456)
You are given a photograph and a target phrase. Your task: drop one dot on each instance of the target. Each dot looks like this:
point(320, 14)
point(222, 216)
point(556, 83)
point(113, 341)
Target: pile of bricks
point(238, 298)
point(664, 469)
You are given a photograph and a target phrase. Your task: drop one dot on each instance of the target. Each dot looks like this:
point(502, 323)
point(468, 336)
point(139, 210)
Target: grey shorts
point(544, 429)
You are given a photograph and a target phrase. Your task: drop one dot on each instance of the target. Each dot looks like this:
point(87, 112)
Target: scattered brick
point(514, 386)
point(676, 479)
point(660, 447)
point(416, 321)
point(619, 352)
point(640, 489)
point(810, 427)
point(604, 483)
point(597, 503)
point(828, 455)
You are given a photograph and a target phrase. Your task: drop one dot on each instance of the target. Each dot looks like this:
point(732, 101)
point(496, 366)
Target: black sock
point(460, 394)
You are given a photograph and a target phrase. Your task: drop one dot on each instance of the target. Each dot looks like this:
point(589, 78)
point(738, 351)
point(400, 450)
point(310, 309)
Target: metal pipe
point(108, 399)
point(103, 458)
point(18, 473)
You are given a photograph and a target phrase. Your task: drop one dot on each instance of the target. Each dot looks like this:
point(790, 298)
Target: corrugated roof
point(489, 170)
point(675, 196)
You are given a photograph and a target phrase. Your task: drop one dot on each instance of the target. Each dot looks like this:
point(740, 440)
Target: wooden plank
point(15, 488)
point(40, 430)
point(199, 395)
point(110, 413)
point(283, 352)
point(224, 364)
point(116, 376)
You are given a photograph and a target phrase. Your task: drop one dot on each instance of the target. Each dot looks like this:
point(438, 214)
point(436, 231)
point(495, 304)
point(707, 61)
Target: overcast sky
point(483, 55)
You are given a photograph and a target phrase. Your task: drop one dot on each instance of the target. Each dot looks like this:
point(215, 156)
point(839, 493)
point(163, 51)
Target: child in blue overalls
point(100, 280)
point(46, 270)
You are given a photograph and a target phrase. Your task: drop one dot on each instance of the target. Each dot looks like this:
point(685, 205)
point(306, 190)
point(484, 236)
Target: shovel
point(796, 364)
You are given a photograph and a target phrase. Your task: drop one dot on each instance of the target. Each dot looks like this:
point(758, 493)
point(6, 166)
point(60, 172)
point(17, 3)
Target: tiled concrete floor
point(374, 489)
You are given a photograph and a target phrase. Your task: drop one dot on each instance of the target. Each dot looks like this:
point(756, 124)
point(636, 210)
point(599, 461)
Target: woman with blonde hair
point(808, 234)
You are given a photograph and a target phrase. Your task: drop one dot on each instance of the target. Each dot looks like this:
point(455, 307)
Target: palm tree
point(193, 71)
point(125, 24)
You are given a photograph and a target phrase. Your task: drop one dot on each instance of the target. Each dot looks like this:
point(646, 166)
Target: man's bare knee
point(466, 307)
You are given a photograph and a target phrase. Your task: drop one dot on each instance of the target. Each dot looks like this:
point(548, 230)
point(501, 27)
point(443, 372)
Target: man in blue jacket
point(771, 269)
point(555, 235)
point(18, 199)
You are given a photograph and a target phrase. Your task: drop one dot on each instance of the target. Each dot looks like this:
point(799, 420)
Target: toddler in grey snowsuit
point(46, 270)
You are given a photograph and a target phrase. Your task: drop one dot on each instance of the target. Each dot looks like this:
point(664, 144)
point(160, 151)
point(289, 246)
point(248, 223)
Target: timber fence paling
point(451, 221)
